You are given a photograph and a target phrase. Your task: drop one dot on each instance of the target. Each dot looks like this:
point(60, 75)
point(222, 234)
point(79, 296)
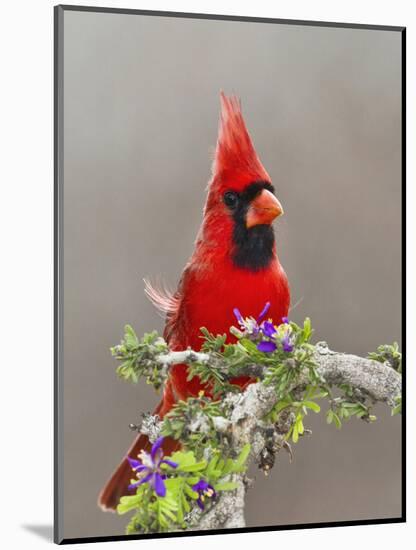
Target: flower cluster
point(148, 468)
point(204, 490)
point(269, 337)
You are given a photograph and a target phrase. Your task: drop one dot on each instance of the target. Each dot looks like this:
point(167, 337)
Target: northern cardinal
point(234, 265)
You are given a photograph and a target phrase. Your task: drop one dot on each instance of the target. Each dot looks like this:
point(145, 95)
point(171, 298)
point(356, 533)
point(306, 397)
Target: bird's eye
point(231, 199)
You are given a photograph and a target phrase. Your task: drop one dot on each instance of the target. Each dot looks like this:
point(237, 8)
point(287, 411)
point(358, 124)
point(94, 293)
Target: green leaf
point(212, 465)
point(197, 467)
point(128, 503)
point(183, 458)
point(249, 345)
point(295, 433)
point(190, 492)
point(337, 421)
point(242, 457)
point(312, 405)
point(228, 466)
point(226, 486)
point(307, 329)
point(397, 409)
point(130, 337)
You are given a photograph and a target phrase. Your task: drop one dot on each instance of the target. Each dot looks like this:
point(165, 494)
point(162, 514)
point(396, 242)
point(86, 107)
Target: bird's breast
point(210, 299)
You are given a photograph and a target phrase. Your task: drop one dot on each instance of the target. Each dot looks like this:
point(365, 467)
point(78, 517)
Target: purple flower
point(271, 337)
point(266, 346)
point(239, 317)
point(268, 329)
point(264, 311)
point(287, 343)
point(264, 332)
point(204, 490)
point(148, 468)
point(250, 325)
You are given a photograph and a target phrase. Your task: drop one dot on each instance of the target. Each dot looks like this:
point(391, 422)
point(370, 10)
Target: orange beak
point(263, 209)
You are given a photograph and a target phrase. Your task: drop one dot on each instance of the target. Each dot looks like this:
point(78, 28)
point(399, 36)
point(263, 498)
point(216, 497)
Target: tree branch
point(374, 380)
point(379, 381)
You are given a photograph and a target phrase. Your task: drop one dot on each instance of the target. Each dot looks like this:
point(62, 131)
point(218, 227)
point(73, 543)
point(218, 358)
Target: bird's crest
point(235, 156)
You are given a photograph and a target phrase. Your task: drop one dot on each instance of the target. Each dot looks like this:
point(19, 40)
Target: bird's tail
point(117, 485)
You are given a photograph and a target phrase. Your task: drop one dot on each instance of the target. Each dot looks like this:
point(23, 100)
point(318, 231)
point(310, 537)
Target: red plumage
point(218, 277)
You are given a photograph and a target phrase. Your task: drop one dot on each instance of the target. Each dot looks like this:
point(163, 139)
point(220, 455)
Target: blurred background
point(141, 103)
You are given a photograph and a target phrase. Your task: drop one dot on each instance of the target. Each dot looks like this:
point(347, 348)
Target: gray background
point(140, 120)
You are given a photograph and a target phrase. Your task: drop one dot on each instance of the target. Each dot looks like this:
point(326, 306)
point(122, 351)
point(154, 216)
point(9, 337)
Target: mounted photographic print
point(229, 202)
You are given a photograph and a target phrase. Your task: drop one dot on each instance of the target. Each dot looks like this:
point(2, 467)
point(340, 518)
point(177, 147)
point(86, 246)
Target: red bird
point(234, 264)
